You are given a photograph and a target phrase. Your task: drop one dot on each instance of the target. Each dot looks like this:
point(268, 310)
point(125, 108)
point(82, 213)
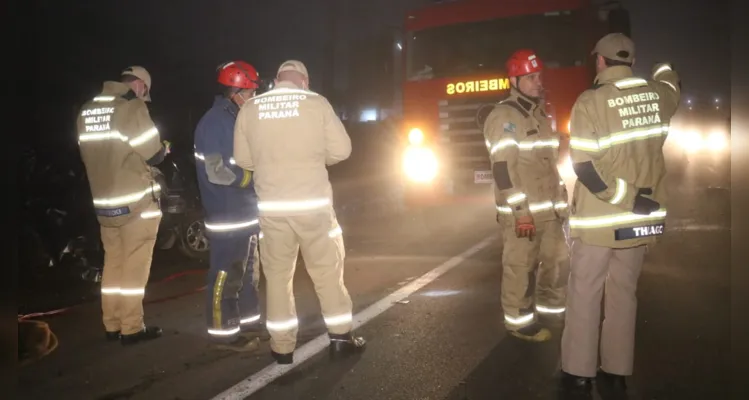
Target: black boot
point(611, 386)
point(575, 387)
point(287, 358)
point(112, 336)
point(345, 344)
point(148, 333)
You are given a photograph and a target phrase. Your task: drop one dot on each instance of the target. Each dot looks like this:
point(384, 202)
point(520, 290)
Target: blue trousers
point(231, 299)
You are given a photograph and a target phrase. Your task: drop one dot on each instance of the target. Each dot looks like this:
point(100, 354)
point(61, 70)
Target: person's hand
point(167, 146)
point(524, 227)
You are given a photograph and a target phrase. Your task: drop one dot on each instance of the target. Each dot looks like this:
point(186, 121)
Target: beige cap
point(140, 73)
point(293, 65)
point(616, 46)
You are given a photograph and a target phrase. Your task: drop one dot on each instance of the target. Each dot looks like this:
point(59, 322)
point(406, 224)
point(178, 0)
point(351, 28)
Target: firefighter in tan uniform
point(288, 136)
point(118, 144)
point(531, 202)
point(618, 128)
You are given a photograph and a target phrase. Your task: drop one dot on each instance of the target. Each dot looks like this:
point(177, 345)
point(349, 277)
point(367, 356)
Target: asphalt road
point(446, 341)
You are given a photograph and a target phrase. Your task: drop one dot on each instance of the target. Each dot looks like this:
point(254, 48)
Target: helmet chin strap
point(239, 94)
point(535, 99)
point(527, 96)
point(516, 86)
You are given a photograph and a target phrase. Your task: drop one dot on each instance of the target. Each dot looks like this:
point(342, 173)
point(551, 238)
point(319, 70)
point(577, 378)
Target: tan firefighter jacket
point(288, 136)
point(618, 129)
point(524, 153)
point(117, 138)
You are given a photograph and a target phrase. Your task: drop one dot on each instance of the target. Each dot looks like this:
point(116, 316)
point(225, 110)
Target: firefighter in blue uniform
point(230, 203)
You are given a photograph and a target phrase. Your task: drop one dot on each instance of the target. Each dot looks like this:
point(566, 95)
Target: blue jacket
point(227, 191)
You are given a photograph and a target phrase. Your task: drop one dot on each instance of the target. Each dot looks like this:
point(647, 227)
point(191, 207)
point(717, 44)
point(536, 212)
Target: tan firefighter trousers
point(596, 270)
point(321, 242)
point(525, 282)
point(128, 250)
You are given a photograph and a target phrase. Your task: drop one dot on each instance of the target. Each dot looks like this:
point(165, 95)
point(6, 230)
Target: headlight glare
point(691, 140)
point(566, 171)
point(416, 137)
point(716, 140)
point(420, 164)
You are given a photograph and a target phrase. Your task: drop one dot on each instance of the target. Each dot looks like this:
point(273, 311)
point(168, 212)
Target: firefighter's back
point(120, 180)
point(634, 127)
point(630, 117)
point(287, 134)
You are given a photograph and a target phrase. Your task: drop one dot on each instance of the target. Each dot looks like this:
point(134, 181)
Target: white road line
point(268, 374)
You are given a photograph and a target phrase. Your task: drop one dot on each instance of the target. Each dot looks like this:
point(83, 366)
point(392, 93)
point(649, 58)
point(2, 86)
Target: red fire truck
point(454, 56)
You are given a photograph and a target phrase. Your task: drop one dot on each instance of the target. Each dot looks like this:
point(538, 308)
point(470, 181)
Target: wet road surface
point(446, 340)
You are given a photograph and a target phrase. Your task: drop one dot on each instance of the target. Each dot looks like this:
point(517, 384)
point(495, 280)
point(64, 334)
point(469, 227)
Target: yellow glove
point(167, 146)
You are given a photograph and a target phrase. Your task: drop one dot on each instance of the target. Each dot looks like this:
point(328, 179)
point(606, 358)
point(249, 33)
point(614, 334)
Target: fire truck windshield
point(476, 47)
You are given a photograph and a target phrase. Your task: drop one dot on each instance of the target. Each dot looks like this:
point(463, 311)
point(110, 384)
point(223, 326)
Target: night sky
point(182, 42)
point(695, 37)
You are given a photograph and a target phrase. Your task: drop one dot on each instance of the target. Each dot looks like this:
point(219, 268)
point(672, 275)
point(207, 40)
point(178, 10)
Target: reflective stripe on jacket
point(287, 136)
point(226, 190)
point(117, 138)
point(618, 129)
point(524, 152)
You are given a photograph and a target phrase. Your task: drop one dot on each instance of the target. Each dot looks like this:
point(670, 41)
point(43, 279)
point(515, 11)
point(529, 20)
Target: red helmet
point(238, 74)
point(523, 62)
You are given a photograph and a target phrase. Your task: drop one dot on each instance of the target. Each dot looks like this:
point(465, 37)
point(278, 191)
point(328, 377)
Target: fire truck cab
point(454, 57)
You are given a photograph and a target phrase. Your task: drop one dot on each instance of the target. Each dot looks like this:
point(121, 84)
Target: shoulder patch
point(509, 127)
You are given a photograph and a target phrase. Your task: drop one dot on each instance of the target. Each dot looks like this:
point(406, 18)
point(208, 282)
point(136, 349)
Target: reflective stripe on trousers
point(544, 260)
point(128, 251)
point(323, 259)
point(593, 269)
point(231, 299)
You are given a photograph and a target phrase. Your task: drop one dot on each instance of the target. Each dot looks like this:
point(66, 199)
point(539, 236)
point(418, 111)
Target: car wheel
point(194, 242)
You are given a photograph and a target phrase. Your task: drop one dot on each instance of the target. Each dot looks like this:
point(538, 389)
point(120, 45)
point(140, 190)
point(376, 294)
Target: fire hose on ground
point(153, 301)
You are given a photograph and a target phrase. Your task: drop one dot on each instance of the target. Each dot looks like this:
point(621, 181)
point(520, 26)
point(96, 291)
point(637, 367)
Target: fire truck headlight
point(691, 140)
point(566, 172)
point(420, 164)
point(416, 137)
point(716, 141)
